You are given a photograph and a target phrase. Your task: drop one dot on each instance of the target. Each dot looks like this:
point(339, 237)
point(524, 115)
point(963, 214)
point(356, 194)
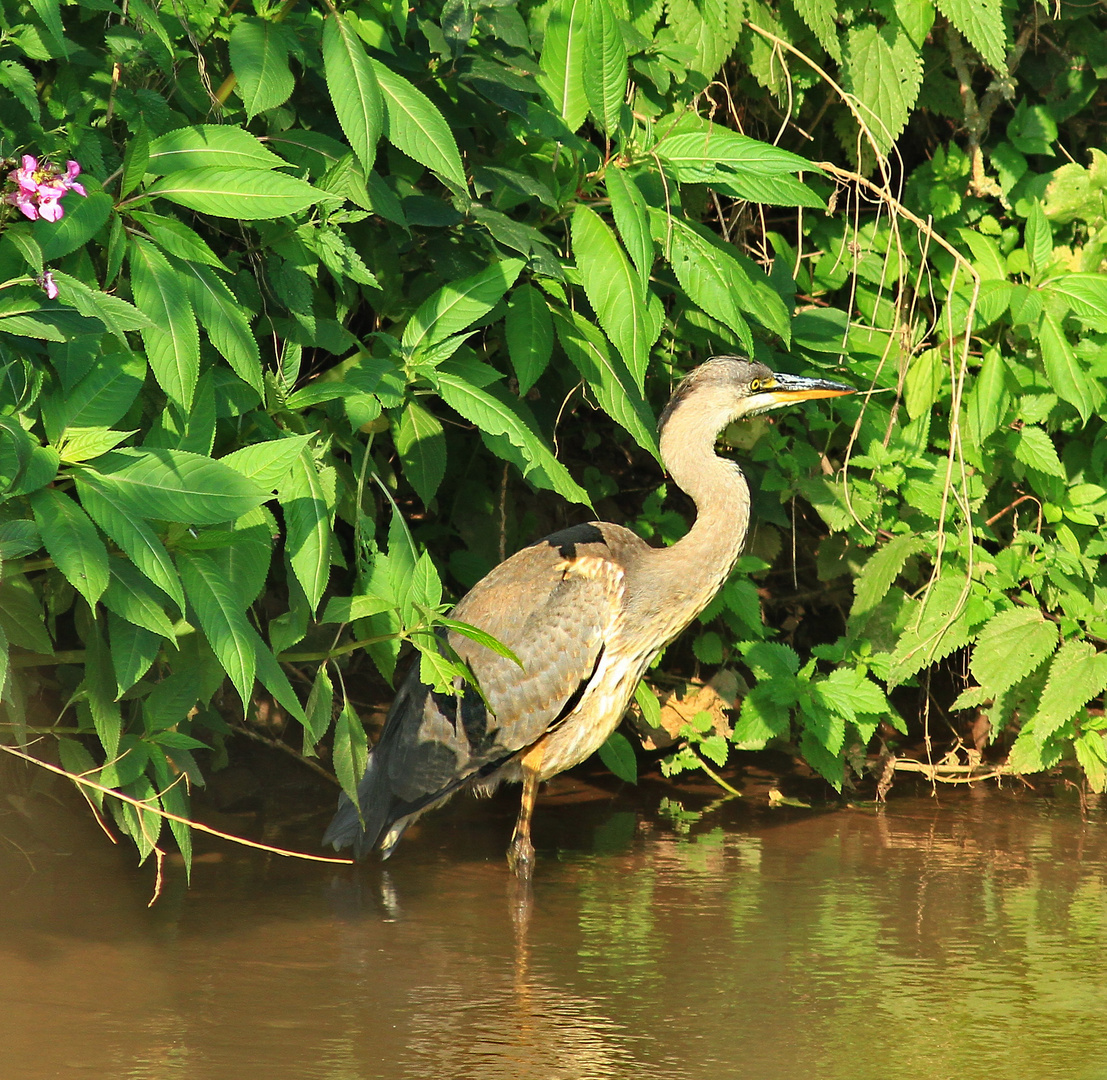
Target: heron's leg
point(520, 853)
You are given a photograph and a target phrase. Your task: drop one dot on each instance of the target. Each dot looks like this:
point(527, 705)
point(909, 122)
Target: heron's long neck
point(689, 573)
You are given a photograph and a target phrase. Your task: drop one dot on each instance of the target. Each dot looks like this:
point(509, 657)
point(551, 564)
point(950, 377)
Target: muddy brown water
point(964, 936)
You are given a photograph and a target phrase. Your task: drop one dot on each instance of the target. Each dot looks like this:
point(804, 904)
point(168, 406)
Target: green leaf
point(135, 161)
point(618, 755)
point(529, 333)
point(1010, 647)
point(604, 65)
point(1034, 447)
point(319, 711)
point(923, 383)
point(72, 541)
point(352, 87)
point(936, 626)
point(698, 155)
point(413, 124)
point(273, 678)
point(84, 218)
point(99, 399)
point(459, 304)
point(492, 412)
point(225, 321)
point(246, 194)
point(1039, 237)
point(113, 311)
point(1067, 378)
point(1077, 674)
point(1085, 294)
point(562, 60)
point(1091, 752)
point(821, 17)
point(267, 463)
point(259, 59)
point(885, 79)
point(706, 279)
point(224, 624)
point(421, 444)
point(628, 207)
point(175, 485)
point(607, 377)
point(988, 399)
point(176, 238)
point(981, 21)
point(307, 500)
point(173, 341)
point(351, 751)
point(214, 146)
point(130, 595)
point(133, 651)
point(880, 572)
point(111, 511)
point(614, 290)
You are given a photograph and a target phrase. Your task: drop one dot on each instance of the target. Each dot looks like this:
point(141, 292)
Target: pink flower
point(47, 282)
point(39, 188)
point(72, 171)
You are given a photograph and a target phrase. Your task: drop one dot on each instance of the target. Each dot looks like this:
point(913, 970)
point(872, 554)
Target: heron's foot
point(520, 857)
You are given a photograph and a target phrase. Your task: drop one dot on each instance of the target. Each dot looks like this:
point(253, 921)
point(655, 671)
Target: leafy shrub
point(336, 271)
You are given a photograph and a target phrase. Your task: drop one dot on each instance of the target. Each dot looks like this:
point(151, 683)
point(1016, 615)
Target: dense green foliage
point(341, 276)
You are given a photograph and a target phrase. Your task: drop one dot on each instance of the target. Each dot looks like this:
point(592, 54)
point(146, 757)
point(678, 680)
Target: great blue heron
point(585, 610)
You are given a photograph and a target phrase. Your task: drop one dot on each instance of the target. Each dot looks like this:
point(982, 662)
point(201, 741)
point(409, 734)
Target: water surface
point(960, 937)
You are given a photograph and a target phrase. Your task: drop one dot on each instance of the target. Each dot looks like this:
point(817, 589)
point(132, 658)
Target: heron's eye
point(755, 384)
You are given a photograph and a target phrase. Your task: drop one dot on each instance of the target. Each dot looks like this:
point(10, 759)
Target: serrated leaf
point(988, 399)
point(307, 500)
point(133, 651)
point(173, 339)
point(604, 65)
point(1035, 448)
point(135, 161)
point(176, 238)
point(1011, 645)
point(224, 319)
point(474, 633)
point(72, 541)
point(1067, 378)
point(885, 79)
point(1091, 752)
point(1077, 674)
point(981, 21)
point(131, 596)
point(319, 710)
point(421, 444)
point(112, 513)
point(223, 623)
point(528, 329)
point(353, 88)
point(614, 290)
point(455, 306)
point(244, 194)
point(628, 207)
point(937, 626)
point(413, 124)
point(698, 155)
point(204, 146)
point(607, 377)
point(491, 411)
point(175, 485)
point(267, 463)
point(114, 312)
point(1085, 294)
point(880, 571)
point(1039, 237)
point(562, 61)
point(350, 752)
point(618, 756)
point(259, 58)
point(821, 17)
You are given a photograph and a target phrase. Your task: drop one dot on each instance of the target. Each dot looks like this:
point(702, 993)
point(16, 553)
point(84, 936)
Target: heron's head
point(725, 388)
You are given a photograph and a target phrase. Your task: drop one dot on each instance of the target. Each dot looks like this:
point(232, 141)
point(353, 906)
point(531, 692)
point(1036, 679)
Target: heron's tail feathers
point(363, 832)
